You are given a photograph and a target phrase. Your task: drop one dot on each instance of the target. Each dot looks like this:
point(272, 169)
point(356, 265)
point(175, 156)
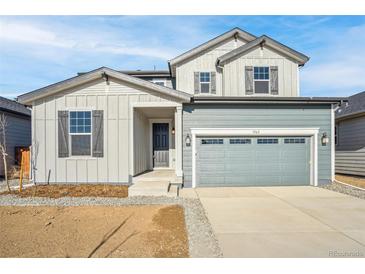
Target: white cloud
point(339, 67)
point(23, 34)
point(27, 33)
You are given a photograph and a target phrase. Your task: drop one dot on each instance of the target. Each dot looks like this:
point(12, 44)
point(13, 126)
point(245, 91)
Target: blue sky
point(36, 51)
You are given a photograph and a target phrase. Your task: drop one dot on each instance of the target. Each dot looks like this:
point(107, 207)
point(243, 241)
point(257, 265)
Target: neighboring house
point(227, 113)
point(18, 130)
point(350, 136)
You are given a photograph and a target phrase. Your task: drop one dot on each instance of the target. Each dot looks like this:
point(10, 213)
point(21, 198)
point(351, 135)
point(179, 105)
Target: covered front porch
point(157, 146)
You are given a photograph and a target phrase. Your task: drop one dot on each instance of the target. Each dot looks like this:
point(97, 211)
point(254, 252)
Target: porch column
point(178, 141)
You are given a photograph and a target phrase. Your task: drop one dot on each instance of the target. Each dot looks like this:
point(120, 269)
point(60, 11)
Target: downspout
point(334, 108)
point(220, 68)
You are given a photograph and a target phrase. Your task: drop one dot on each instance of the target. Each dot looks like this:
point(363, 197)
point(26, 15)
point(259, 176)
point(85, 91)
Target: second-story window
point(204, 82)
point(160, 82)
point(261, 80)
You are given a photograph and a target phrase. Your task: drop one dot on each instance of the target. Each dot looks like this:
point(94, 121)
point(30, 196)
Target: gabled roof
point(27, 98)
point(354, 107)
point(147, 73)
point(211, 43)
point(13, 107)
point(143, 73)
point(263, 40)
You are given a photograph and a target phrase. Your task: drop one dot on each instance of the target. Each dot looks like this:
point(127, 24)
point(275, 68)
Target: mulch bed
point(358, 181)
point(84, 190)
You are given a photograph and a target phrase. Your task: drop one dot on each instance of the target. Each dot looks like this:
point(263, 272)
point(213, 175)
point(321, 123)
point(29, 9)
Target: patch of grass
point(83, 190)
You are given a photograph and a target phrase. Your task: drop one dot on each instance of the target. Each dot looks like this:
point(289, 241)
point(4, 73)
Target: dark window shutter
point(249, 80)
point(274, 81)
point(63, 147)
point(213, 83)
point(196, 82)
point(98, 133)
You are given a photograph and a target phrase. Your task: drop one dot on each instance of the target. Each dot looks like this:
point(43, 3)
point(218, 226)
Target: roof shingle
point(355, 105)
point(13, 106)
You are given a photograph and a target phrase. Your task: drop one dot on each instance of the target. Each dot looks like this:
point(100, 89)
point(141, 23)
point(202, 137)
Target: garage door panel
point(264, 180)
point(212, 178)
point(243, 181)
point(210, 154)
point(240, 162)
point(239, 168)
point(294, 180)
point(213, 169)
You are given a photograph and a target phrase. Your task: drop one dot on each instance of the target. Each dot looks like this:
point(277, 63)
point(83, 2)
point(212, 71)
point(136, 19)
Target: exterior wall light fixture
point(324, 139)
point(188, 140)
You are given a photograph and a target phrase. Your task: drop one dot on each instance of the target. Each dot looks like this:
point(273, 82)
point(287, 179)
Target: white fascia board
point(254, 131)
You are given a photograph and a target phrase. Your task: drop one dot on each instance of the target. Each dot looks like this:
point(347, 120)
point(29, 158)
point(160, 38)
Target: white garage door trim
point(310, 132)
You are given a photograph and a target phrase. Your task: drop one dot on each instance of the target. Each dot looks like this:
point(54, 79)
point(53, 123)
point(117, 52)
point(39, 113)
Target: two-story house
point(226, 113)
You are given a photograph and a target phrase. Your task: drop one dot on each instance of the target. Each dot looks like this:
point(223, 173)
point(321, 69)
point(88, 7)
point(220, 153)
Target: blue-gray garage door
point(252, 161)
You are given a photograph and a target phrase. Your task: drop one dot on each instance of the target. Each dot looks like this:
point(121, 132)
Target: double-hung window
point(80, 133)
point(262, 80)
point(204, 78)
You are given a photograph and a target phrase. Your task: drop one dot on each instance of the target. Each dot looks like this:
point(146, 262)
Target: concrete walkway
point(285, 221)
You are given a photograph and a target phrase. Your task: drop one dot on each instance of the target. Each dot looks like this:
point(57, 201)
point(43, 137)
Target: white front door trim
point(310, 132)
point(171, 156)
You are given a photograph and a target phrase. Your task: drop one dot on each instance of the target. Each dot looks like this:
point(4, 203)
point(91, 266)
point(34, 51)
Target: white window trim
point(256, 132)
point(210, 83)
point(70, 134)
point(261, 80)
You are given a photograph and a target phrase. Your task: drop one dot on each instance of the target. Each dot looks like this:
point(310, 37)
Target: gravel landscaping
point(202, 241)
point(345, 189)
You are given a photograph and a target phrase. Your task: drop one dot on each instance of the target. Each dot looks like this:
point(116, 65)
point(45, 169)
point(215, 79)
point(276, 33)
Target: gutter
point(15, 112)
point(350, 115)
point(269, 100)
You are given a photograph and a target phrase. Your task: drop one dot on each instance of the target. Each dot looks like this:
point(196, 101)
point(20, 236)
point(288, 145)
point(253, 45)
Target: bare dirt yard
point(84, 190)
point(93, 231)
point(351, 180)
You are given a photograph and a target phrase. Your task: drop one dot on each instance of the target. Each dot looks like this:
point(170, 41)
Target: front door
point(160, 145)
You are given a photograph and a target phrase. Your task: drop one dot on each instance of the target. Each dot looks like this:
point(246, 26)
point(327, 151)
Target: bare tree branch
point(3, 148)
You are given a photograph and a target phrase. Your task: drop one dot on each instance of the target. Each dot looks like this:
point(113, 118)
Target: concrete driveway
point(285, 221)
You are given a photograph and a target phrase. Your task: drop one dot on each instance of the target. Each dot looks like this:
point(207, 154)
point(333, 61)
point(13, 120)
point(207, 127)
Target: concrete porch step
point(149, 188)
point(155, 176)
